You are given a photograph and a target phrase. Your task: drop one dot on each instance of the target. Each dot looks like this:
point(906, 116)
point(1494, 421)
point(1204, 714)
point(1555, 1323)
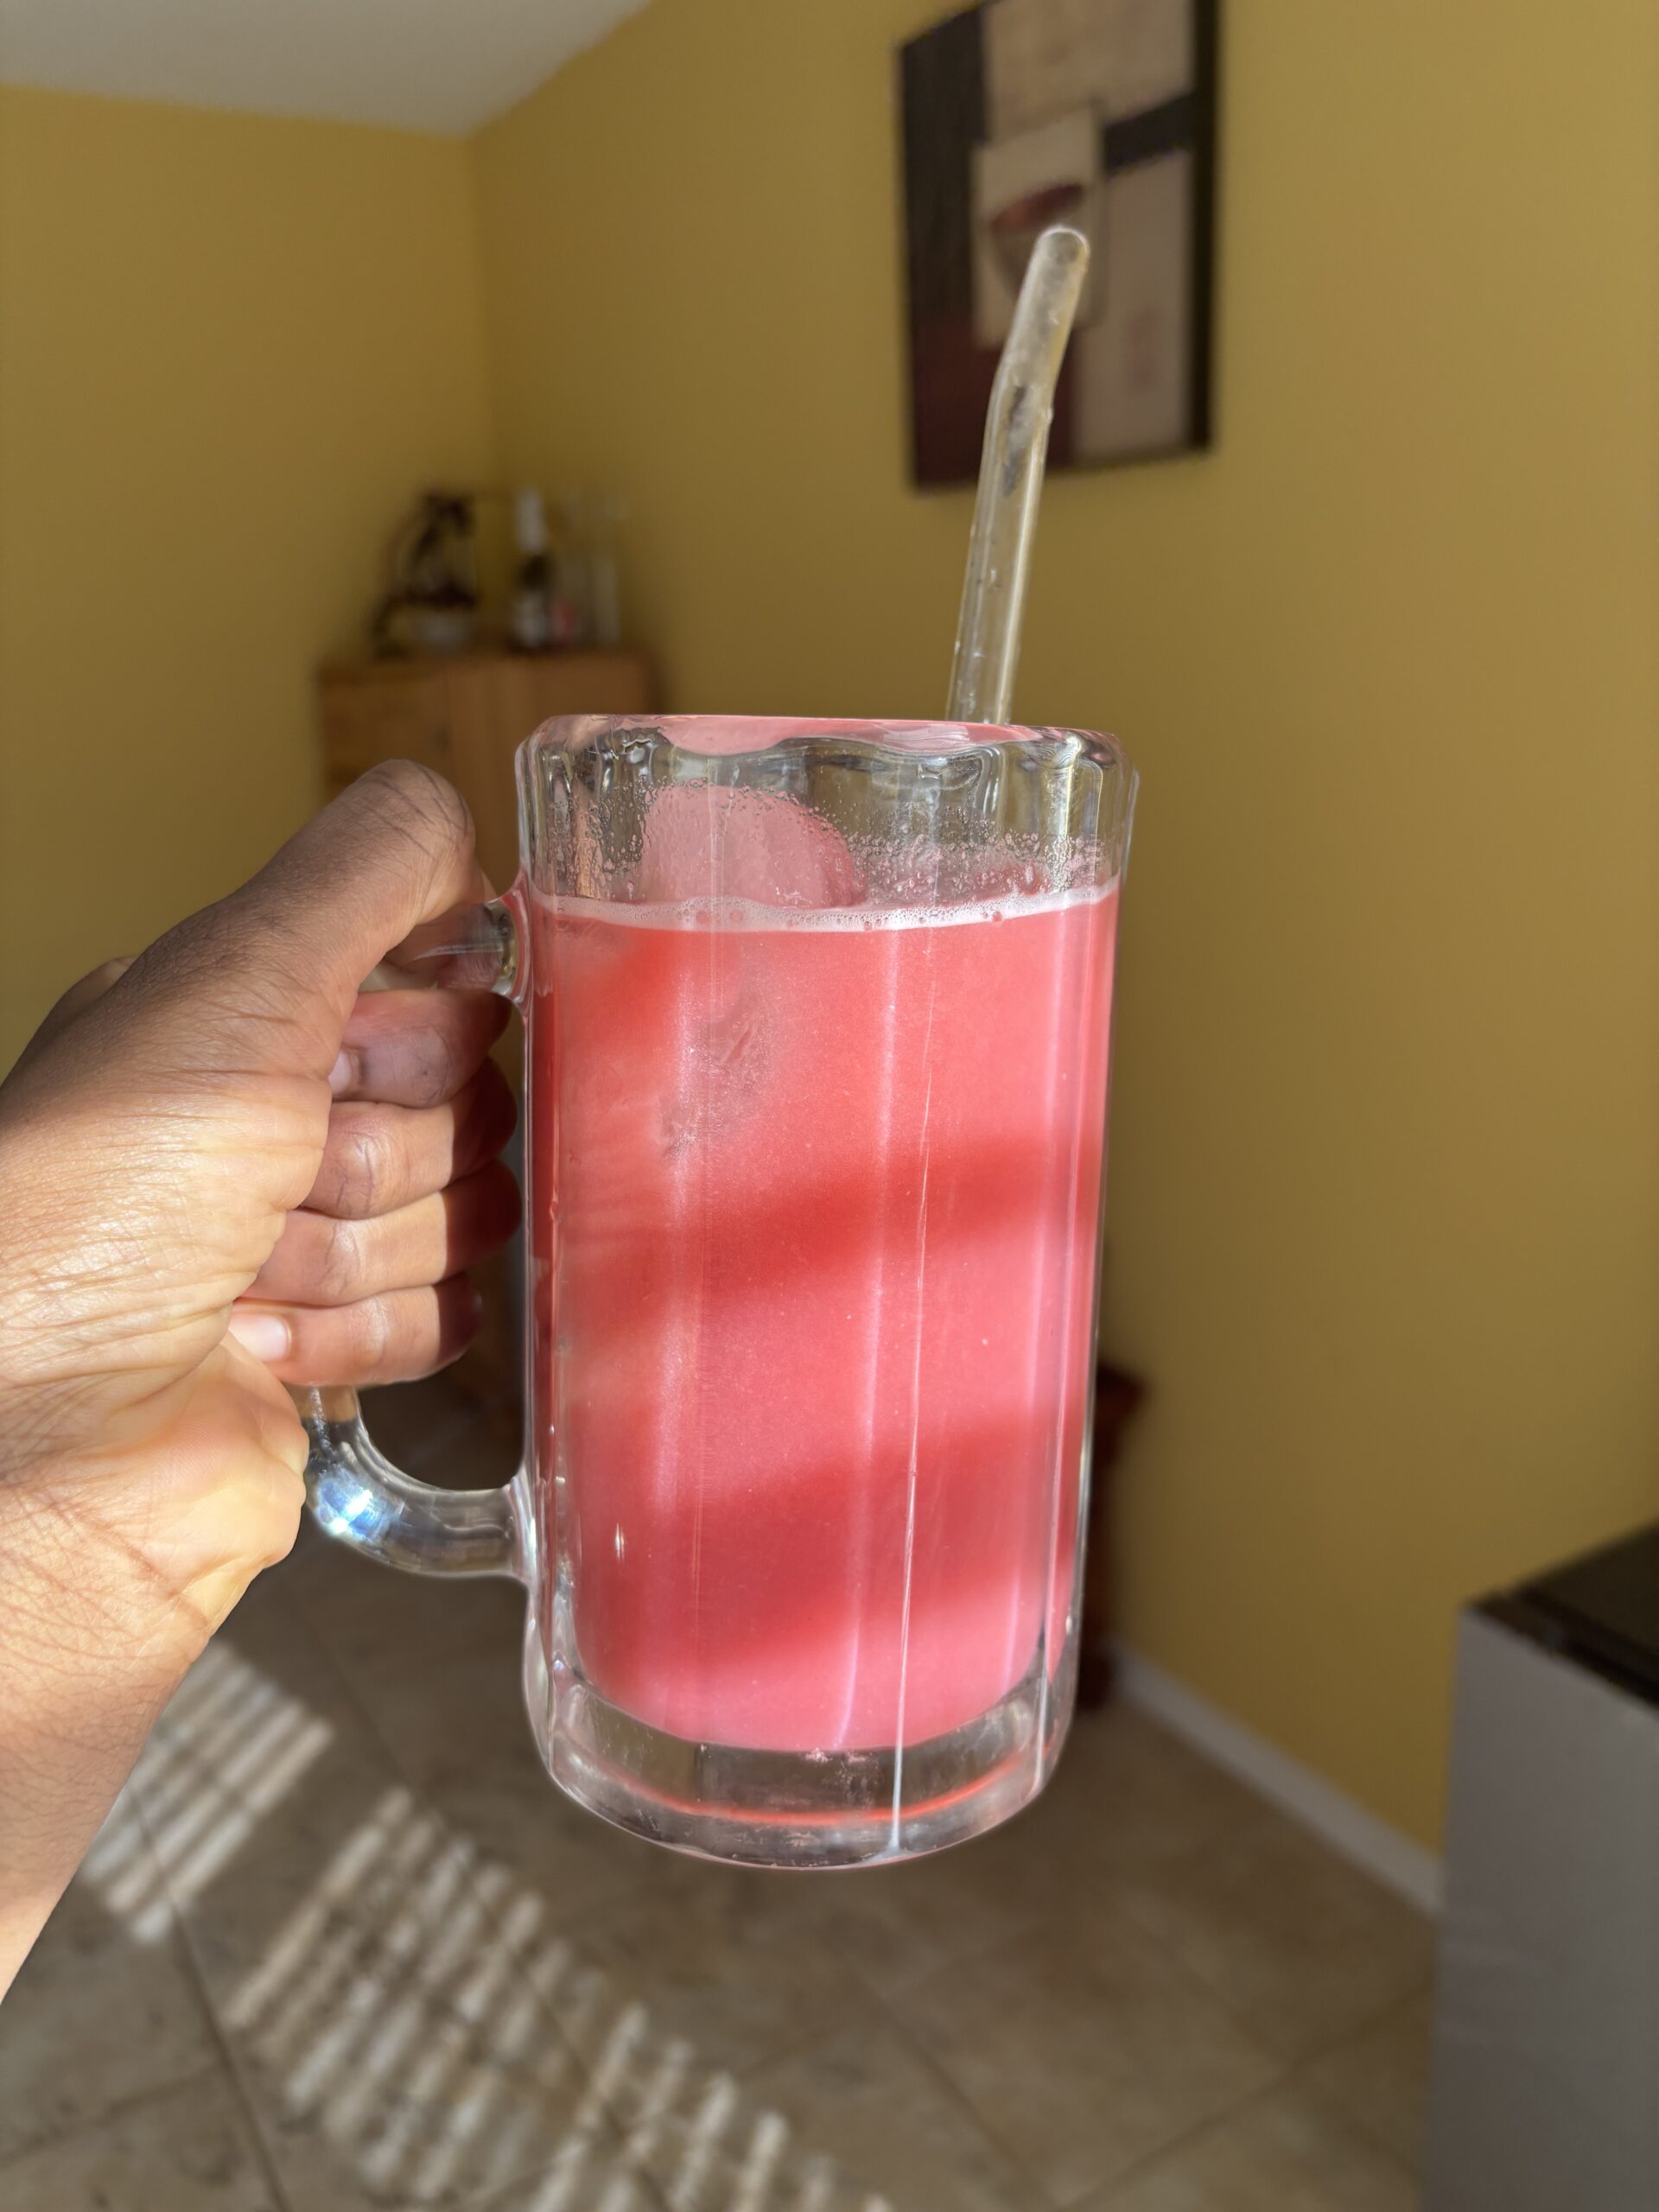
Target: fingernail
point(343, 1073)
point(265, 1335)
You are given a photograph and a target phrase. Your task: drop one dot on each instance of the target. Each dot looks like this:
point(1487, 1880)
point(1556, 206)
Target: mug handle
point(354, 1491)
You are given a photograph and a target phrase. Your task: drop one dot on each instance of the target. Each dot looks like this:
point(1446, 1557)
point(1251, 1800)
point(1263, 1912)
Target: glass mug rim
point(742, 737)
point(608, 1755)
point(947, 797)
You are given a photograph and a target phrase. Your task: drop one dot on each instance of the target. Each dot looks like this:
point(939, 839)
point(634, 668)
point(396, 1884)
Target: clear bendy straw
point(1011, 479)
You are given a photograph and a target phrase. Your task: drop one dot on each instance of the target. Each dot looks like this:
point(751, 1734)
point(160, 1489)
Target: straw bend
point(1011, 479)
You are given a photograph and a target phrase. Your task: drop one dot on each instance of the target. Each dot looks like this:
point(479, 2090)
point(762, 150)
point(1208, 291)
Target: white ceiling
point(426, 64)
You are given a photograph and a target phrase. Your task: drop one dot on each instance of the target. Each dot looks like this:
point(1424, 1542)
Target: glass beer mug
point(816, 1026)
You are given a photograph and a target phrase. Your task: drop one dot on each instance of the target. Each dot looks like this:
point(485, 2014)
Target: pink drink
point(823, 1281)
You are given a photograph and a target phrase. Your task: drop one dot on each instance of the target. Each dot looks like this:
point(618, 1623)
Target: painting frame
point(965, 138)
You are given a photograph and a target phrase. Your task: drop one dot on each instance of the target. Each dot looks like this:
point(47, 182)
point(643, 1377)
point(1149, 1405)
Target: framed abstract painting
point(1098, 113)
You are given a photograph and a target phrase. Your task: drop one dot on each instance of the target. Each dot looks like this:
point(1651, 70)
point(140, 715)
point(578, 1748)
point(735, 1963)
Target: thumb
point(266, 977)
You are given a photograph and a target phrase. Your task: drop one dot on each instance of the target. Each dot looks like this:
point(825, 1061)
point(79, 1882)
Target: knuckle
point(339, 1267)
point(417, 801)
point(363, 1169)
point(96, 981)
point(440, 1072)
point(85, 992)
point(375, 1337)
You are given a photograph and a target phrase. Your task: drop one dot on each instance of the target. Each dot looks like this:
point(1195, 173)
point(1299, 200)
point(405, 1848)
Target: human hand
point(222, 1170)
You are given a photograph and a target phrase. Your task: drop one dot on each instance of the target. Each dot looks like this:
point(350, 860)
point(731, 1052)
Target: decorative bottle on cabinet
point(532, 578)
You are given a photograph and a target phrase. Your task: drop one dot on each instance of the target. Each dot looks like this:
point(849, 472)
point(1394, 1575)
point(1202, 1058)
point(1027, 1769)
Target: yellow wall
point(232, 351)
point(1384, 1226)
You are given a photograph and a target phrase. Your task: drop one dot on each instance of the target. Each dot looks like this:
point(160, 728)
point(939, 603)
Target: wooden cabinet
point(466, 718)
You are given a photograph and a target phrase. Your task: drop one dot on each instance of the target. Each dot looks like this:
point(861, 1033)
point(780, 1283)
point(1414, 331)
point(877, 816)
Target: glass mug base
point(816, 1018)
point(801, 1809)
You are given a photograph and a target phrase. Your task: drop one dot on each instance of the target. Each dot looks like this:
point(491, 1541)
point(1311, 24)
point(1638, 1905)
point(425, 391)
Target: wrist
point(88, 1658)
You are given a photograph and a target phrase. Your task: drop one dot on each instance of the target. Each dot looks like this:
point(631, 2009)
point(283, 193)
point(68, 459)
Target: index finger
point(415, 1048)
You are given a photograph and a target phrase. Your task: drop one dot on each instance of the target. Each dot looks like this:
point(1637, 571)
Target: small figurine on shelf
point(432, 607)
point(530, 616)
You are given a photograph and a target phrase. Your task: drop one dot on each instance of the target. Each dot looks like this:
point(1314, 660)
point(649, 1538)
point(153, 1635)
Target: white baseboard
point(1388, 1856)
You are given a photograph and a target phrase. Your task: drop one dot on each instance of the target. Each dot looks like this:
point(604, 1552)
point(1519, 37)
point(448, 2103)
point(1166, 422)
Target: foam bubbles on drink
point(749, 914)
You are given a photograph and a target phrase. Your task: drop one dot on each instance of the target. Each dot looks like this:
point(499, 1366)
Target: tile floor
point(341, 1945)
